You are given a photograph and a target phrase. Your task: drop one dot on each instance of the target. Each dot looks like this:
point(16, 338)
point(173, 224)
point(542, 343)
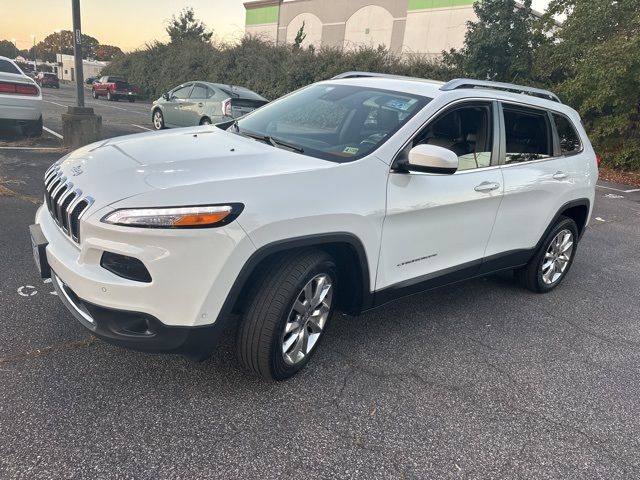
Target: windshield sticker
point(401, 103)
point(351, 150)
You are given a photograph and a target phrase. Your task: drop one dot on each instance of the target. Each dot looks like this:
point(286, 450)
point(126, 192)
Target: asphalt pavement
point(477, 380)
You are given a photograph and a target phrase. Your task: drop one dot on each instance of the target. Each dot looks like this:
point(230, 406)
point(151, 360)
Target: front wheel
point(205, 121)
point(158, 119)
point(553, 259)
point(94, 94)
point(289, 310)
point(109, 96)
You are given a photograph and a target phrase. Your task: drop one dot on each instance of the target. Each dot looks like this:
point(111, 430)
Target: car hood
point(118, 168)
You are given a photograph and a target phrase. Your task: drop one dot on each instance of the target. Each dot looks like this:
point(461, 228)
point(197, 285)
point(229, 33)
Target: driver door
point(437, 226)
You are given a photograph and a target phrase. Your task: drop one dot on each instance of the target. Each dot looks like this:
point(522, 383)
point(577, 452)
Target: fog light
point(126, 267)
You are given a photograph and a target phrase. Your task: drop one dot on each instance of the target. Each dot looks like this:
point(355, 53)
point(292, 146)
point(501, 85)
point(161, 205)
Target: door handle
point(201, 104)
point(560, 175)
point(487, 187)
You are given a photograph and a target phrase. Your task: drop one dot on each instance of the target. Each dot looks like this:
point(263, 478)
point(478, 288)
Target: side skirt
point(459, 273)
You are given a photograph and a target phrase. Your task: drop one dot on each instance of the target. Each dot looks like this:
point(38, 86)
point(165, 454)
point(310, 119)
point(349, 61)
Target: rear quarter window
point(568, 138)
point(8, 67)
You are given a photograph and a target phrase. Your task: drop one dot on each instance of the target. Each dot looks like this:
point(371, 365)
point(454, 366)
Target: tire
point(109, 96)
point(94, 94)
point(279, 321)
point(33, 129)
point(546, 270)
point(132, 100)
point(157, 119)
point(205, 121)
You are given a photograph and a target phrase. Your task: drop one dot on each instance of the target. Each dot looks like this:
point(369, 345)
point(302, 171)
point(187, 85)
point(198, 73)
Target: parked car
point(20, 99)
point(346, 195)
point(45, 79)
point(203, 103)
point(114, 88)
point(90, 80)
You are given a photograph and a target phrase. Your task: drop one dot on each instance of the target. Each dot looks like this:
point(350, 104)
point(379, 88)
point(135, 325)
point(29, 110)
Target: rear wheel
point(289, 311)
point(132, 100)
point(205, 121)
point(158, 119)
point(554, 258)
point(33, 129)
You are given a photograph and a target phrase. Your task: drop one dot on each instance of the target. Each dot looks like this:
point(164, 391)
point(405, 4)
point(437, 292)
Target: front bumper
point(138, 331)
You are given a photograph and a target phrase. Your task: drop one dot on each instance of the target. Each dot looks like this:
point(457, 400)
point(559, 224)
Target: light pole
point(77, 51)
point(15, 47)
point(35, 62)
point(59, 32)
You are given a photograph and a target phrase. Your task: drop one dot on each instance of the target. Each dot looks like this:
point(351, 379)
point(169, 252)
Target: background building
point(403, 26)
point(66, 70)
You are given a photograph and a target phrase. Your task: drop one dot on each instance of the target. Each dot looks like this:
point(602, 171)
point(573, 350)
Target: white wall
point(434, 30)
point(371, 26)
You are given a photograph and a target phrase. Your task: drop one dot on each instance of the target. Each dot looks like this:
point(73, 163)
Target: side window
point(568, 137)
point(467, 131)
point(103, 80)
point(182, 92)
point(8, 67)
point(210, 93)
point(527, 135)
point(199, 92)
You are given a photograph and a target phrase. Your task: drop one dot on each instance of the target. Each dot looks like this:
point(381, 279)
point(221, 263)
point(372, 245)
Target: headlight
point(176, 217)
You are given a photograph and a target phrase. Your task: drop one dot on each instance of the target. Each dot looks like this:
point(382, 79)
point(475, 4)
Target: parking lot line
point(54, 103)
point(619, 190)
point(140, 126)
point(55, 134)
point(29, 148)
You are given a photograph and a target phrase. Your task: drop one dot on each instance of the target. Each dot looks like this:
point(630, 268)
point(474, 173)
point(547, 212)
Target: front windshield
point(330, 121)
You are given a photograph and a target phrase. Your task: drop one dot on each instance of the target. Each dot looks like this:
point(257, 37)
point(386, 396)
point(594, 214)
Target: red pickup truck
point(114, 88)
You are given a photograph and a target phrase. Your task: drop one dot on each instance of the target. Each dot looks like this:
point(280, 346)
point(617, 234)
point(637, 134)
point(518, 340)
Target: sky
point(128, 24)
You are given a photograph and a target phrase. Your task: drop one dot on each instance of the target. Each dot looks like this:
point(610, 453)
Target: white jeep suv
point(346, 194)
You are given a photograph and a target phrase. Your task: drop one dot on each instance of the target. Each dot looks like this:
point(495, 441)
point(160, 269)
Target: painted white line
point(59, 104)
point(55, 134)
point(619, 190)
point(30, 148)
point(140, 126)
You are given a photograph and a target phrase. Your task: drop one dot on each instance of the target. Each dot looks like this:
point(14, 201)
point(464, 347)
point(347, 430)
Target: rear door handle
point(560, 175)
point(487, 187)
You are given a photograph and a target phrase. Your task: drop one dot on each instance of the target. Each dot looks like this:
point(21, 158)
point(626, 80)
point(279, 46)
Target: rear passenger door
point(193, 107)
point(536, 180)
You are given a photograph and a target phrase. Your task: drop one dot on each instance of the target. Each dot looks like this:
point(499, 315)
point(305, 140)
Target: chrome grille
point(65, 204)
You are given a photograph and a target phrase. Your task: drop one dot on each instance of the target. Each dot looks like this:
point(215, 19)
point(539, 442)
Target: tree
point(107, 52)
point(7, 49)
point(300, 36)
point(500, 44)
point(593, 58)
point(62, 42)
point(186, 27)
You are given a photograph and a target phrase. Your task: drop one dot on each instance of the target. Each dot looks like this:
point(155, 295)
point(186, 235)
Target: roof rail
point(364, 75)
point(509, 87)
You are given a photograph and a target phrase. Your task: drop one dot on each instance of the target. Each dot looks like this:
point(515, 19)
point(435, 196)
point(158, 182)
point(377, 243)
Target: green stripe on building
point(260, 15)
point(425, 4)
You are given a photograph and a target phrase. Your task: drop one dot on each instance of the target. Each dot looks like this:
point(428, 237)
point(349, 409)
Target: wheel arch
point(577, 210)
point(348, 252)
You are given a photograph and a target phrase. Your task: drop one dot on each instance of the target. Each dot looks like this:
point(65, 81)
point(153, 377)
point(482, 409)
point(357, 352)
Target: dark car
point(45, 79)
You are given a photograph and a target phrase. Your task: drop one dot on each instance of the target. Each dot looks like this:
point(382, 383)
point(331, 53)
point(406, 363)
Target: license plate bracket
point(39, 249)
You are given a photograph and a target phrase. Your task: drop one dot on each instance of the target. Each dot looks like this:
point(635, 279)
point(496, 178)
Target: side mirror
point(166, 96)
point(431, 159)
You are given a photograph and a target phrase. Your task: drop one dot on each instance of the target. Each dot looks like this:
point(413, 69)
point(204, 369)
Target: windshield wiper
point(276, 142)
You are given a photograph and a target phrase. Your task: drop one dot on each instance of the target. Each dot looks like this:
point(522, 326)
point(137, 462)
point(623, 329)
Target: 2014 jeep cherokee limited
point(345, 195)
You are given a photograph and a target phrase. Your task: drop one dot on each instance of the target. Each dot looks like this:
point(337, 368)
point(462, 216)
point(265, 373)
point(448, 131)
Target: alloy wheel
point(307, 319)
point(157, 120)
point(557, 257)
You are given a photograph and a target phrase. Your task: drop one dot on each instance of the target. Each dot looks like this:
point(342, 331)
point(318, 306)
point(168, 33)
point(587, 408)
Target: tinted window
point(527, 135)
point(8, 67)
point(335, 122)
point(466, 131)
point(567, 135)
point(199, 91)
point(182, 92)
